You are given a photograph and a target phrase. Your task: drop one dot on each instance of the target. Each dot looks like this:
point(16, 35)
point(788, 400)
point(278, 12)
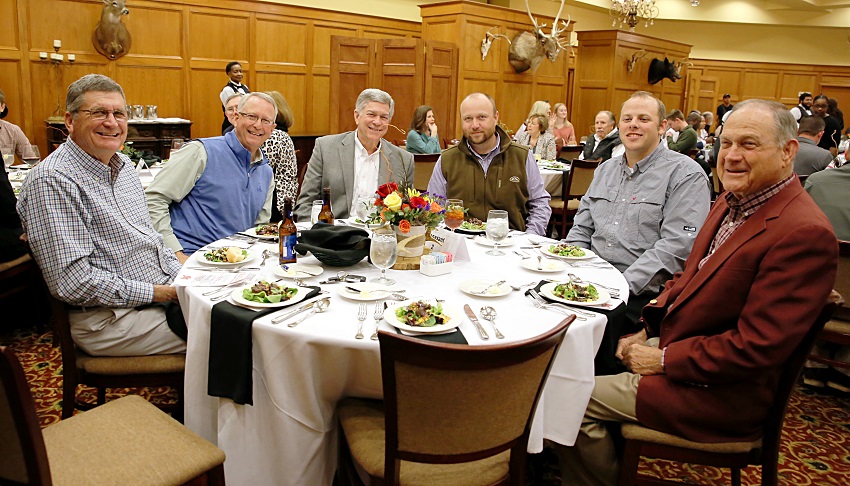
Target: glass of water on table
point(384, 252)
point(497, 229)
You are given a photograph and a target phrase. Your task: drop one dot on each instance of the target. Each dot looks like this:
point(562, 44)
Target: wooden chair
point(450, 411)
point(19, 281)
point(102, 372)
point(569, 152)
point(127, 441)
point(643, 441)
point(573, 186)
point(424, 166)
point(399, 142)
point(837, 329)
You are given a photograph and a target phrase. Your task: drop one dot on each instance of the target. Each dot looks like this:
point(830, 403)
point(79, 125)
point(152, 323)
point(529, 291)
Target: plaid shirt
point(90, 230)
point(740, 210)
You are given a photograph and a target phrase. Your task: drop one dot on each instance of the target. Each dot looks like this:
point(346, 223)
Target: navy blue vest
point(227, 198)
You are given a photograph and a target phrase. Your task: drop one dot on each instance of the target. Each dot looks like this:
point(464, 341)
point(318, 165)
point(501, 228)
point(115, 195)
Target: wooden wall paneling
point(164, 41)
point(400, 65)
point(513, 100)
point(281, 63)
point(220, 34)
point(292, 85)
point(10, 33)
point(790, 84)
point(206, 113)
point(760, 84)
point(150, 85)
point(351, 60)
point(440, 84)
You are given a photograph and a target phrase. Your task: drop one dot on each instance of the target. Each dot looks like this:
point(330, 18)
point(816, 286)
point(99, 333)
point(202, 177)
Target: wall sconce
point(58, 60)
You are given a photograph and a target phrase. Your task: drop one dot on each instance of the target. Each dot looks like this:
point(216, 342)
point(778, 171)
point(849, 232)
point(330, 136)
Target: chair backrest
point(24, 458)
point(450, 403)
point(578, 181)
point(842, 280)
point(399, 142)
point(715, 181)
point(422, 169)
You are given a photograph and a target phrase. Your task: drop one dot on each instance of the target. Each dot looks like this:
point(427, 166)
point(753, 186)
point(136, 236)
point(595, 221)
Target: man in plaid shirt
point(85, 216)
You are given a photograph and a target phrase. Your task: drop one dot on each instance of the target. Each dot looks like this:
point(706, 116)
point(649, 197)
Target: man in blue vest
point(215, 187)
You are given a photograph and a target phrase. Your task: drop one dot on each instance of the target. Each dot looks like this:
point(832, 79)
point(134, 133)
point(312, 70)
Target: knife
point(293, 313)
point(474, 319)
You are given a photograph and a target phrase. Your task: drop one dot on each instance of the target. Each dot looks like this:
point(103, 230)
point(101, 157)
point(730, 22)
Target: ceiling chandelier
point(630, 12)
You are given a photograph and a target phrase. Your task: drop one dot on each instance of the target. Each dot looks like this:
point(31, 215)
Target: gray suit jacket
point(332, 165)
point(810, 158)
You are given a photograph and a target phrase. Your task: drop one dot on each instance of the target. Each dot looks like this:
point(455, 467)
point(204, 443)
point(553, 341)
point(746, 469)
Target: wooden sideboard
point(154, 135)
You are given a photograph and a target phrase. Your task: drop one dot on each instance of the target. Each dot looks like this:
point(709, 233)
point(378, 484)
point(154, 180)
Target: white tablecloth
point(288, 437)
point(552, 181)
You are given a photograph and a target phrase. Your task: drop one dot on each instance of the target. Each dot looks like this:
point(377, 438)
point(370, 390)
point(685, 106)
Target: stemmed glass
point(363, 208)
point(32, 157)
point(454, 214)
point(8, 156)
point(383, 251)
point(497, 229)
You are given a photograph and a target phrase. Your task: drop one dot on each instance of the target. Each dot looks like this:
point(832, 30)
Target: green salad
point(575, 292)
point(268, 293)
point(567, 250)
point(473, 224)
point(232, 254)
point(421, 314)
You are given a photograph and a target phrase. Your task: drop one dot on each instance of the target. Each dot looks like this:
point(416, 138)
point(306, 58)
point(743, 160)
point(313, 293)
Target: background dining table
point(289, 435)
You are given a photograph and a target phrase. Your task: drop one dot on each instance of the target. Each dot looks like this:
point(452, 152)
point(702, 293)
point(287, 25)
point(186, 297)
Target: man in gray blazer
point(354, 164)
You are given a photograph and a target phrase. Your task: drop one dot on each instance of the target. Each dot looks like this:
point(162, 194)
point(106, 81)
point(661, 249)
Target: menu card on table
point(449, 242)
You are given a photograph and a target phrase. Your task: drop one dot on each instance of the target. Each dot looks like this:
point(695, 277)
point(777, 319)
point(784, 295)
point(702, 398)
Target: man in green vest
point(488, 171)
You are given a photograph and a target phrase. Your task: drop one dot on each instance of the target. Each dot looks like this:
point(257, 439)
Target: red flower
point(404, 225)
point(387, 189)
point(378, 202)
point(417, 202)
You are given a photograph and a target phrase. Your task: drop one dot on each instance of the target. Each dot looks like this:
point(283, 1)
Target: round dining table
point(289, 435)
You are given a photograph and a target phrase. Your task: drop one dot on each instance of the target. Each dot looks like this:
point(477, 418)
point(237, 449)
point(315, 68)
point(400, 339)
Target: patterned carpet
point(815, 449)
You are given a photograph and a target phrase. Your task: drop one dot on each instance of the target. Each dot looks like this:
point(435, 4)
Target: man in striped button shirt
point(85, 216)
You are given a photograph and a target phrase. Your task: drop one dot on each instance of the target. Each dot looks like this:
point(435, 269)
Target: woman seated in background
point(562, 129)
point(538, 108)
point(536, 137)
point(422, 137)
point(280, 152)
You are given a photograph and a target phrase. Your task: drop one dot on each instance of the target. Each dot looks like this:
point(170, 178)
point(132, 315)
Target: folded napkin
point(440, 337)
point(231, 357)
point(338, 246)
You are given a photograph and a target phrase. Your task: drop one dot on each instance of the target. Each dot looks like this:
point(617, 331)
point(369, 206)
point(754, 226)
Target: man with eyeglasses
point(230, 107)
point(84, 214)
point(215, 187)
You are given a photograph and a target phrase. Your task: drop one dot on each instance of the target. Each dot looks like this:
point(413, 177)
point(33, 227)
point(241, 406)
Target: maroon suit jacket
point(730, 326)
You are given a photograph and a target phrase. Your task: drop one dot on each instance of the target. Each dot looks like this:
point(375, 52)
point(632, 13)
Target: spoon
point(489, 314)
point(540, 262)
point(266, 255)
point(319, 306)
point(519, 287)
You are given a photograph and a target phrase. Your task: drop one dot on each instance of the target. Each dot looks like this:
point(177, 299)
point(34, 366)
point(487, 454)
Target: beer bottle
point(288, 235)
point(326, 215)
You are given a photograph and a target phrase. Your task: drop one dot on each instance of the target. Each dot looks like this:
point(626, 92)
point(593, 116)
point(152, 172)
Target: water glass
point(315, 210)
point(363, 207)
point(8, 155)
point(31, 157)
point(497, 229)
point(454, 214)
point(383, 251)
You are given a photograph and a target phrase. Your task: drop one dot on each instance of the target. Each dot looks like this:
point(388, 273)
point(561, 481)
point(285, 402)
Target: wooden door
point(351, 61)
point(400, 68)
point(441, 66)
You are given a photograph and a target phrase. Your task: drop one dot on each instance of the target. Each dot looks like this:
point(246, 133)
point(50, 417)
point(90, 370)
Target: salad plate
point(237, 297)
point(547, 250)
point(473, 286)
point(483, 240)
point(469, 228)
point(253, 232)
point(548, 291)
point(392, 319)
point(368, 291)
point(200, 258)
point(546, 266)
point(299, 270)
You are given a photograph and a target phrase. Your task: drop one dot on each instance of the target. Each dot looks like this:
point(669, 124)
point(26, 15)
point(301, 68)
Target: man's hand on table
point(642, 359)
point(164, 293)
point(181, 257)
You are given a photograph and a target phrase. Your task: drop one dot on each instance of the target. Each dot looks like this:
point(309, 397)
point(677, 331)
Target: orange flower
point(385, 215)
point(435, 208)
point(404, 225)
point(405, 207)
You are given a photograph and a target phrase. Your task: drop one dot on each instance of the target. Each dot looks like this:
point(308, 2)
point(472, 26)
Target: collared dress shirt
point(11, 135)
point(365, 172)
point(594, 140)
point(90, 231)
point(538, 199)
point(643, 220)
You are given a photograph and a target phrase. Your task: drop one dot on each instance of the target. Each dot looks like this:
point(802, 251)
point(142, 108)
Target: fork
point(361, 316)
point(559, 305)
point(614, 292)
point(487, 289)
point(379, 314)
point(538, 302)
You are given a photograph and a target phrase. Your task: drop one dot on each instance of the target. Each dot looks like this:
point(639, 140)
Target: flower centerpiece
point(410, 212)
point(128, 150)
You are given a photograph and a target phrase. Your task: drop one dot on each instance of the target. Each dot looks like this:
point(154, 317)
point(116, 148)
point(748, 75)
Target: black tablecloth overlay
point(456, 337)
point(605, 363)
point(231, 357)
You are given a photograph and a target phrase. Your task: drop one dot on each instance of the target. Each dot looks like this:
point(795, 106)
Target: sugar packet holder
point(436, 263)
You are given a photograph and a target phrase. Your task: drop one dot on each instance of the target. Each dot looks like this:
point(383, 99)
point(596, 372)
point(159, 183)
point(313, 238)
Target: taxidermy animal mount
point(110, 37)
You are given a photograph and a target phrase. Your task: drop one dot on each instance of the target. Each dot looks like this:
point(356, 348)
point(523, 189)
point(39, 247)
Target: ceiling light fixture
point(630, 12)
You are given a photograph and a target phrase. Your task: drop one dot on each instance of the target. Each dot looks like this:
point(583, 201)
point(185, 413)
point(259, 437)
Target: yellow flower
point(411, 192)
point(393, 201)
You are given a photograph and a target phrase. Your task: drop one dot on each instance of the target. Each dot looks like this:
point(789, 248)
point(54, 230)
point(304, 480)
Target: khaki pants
point(593, 460)
point(103, 331)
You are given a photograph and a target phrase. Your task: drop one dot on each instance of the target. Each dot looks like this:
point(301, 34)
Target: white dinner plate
point(483, 240)
point(546, 266)
point(587, 253)
point(300, 270)
point(368, 291)
point(547, 291)
point(477, 284)
point(357, 224)
point(199, 257)
point(236, 295)
point(253, 232)
point(454, 316)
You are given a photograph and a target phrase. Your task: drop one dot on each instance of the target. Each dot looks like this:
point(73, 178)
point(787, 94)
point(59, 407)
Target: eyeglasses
point(101, 114)
point(253, 119)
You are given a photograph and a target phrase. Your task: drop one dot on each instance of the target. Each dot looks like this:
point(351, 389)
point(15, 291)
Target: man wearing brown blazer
point(759, 273)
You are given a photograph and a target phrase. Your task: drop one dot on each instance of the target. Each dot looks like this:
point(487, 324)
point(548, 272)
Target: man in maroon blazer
point(759, 273)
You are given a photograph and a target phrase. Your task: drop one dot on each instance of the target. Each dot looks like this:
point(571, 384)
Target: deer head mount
point(110, 37)
point(488, 39)
point(529, 48)
point(659, 70)
point(632, 61)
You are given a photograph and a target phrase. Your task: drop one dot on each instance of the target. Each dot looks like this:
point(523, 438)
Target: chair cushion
point(131, 365)
point(634, 431)
point(129, 442)
point(573, 204)
point(363, 423)
point(833, 325)
point(556, 203)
